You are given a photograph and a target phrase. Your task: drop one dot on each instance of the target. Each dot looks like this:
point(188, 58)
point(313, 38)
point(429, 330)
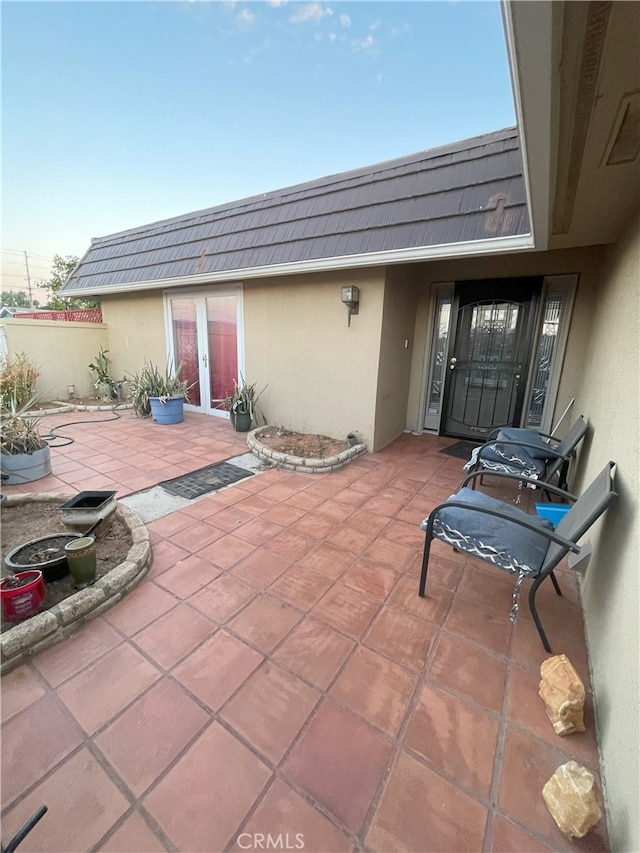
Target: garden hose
point(65, 440)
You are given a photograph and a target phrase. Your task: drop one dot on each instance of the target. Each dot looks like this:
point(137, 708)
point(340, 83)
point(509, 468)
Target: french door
point(489, 351)
point(204, 337)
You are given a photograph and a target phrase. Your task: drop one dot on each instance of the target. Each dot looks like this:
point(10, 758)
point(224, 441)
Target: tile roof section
point(465, 192)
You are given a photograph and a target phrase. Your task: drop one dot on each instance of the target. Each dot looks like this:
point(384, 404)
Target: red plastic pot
point(22, 602)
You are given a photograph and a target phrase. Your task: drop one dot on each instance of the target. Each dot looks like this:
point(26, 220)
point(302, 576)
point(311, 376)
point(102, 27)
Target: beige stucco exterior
point(136, 331)
point(62, 352)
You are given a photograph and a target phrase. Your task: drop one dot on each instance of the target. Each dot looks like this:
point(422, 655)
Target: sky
point(117, 114)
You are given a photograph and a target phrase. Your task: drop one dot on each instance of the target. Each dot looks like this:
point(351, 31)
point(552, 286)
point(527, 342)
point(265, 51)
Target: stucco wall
point(396, 349)
point(62, 352)
point(608, 394)
point(136, 331)
point(321, 374)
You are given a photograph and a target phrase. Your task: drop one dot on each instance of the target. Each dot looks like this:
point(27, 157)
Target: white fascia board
point(528, 33)
point(493, 246)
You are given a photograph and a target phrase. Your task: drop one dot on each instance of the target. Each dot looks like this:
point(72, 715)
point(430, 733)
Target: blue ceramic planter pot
point(171, 412)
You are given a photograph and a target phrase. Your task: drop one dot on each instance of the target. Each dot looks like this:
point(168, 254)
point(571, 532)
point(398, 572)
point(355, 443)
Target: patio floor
point(277, 674)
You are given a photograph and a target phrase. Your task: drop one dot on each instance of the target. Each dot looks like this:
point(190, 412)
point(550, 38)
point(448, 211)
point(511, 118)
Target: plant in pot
point(101, 378)
point(161, 395)
point(24, 454)
point(242, 405)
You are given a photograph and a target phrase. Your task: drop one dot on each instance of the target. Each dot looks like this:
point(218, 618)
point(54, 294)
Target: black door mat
point(461, 449)
point(204, 480)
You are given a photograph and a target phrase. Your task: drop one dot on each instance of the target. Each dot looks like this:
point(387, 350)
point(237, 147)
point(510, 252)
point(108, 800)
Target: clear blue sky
point(116, 114)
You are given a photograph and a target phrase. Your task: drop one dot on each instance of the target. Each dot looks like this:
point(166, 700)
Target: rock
point(563, 694)
point(571, 797)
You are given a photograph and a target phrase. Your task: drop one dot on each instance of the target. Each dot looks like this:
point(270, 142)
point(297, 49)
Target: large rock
point(563, 694)
point(571, 797)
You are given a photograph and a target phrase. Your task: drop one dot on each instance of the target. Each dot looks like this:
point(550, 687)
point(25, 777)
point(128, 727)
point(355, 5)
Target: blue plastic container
point(171, 412)
point(554, 512)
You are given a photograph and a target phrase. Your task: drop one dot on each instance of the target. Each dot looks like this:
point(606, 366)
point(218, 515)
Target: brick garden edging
point(300, 463)
point(65, 618)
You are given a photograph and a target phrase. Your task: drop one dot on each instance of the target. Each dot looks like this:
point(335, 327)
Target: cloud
point(345, 21)
point(400, 30)
point(366, 43)
point(277, 3)
point(374, 26)
point(311, 12)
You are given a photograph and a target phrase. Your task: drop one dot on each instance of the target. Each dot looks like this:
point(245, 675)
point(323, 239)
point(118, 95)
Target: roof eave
point(444, 251)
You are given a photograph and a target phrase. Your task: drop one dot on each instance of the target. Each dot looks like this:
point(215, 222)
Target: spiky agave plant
point(19, 431)
point(150, 382)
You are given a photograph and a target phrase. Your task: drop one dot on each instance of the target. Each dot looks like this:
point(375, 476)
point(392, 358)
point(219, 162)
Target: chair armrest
point(551, 535)
point(502, 443)
point(519, 478)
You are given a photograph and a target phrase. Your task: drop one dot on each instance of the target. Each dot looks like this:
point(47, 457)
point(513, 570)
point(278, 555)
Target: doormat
point(204, 480)
point(461, 449)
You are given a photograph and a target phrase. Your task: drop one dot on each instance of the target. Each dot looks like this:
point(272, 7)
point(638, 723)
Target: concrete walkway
point(276, 673)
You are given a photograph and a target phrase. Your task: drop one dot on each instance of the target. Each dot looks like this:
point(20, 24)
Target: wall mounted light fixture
point(351, 298)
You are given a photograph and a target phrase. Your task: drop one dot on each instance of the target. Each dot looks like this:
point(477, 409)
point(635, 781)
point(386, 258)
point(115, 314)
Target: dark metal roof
point(464, 192)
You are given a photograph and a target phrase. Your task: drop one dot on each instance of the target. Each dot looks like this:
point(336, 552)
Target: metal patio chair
point(527, 452)
point(510, 539)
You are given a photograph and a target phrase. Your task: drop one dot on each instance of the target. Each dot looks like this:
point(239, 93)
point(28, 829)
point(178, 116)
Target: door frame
point(201, 295)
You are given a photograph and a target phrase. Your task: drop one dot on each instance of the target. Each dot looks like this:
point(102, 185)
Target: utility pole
point(26, 260)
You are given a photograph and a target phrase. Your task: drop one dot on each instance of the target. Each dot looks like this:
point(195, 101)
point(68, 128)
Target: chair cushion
point(508, 546)
point(507, 458)
point(528, 436)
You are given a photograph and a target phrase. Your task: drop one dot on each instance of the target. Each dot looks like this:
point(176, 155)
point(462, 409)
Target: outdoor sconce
point(351, 298)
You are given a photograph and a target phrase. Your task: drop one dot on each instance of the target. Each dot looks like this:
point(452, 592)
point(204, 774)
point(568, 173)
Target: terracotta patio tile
point(376, 688)
point(196, 537)
point(434, 606)
point(300, 587)
point(281, 491)
point(482, 625)
point(174, 635)
point(33, 742)
point(340, 761)
point(258, 530)
point(346, 609)
point(327, 560)
point(222, 598)
point(467, 668)
point(305, 501)
point(368, 523)
point(291, 544)
point(227, 518)
point(490, 588)
point(371, 578)
point(65, 659)
point(20, 688)
point(172, 523)
point(144, 740)
point(526, 710)
point(260, 568)
point(165, 555)
point(350, 539)
point(102, 690)
point(134, 836)
point(270, 709)
point(79, 787)
point(226, 550)
point(284, 513)
point(187, 576)
point(528, 651)
point(315, 524)
point(283, 812)
point(314, 652)
point(527, 765)
point(265, 621)
point(255, 504)
point(456, 738)
point(140, 607)
point(404, 823)
point(216, 783)
point(215, 670)
point(405, 534)
point(506, 837)
point(389, 553)
point(401, 637)
point(384, 505)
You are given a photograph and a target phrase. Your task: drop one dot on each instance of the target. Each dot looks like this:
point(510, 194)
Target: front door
point(488, 359)
point(205, 340)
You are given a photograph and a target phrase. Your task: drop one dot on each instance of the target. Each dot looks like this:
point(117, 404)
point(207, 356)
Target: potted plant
point(161, 395)
point(242, 405)
point(24, 454)
point(101, 378)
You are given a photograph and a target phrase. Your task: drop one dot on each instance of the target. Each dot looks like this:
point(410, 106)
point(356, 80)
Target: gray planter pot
point(26, 467)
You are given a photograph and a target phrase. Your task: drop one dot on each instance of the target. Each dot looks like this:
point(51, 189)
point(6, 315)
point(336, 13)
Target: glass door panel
point(222, 337)
point(184, 327)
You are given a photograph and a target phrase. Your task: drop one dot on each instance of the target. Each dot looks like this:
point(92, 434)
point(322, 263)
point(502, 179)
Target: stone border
point(45, 629)
point(107, 407)
point(301, 463)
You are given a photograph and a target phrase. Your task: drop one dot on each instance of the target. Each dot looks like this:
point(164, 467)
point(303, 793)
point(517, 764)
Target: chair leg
point(534, 613)
point(555, 583)
point(425, 563)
